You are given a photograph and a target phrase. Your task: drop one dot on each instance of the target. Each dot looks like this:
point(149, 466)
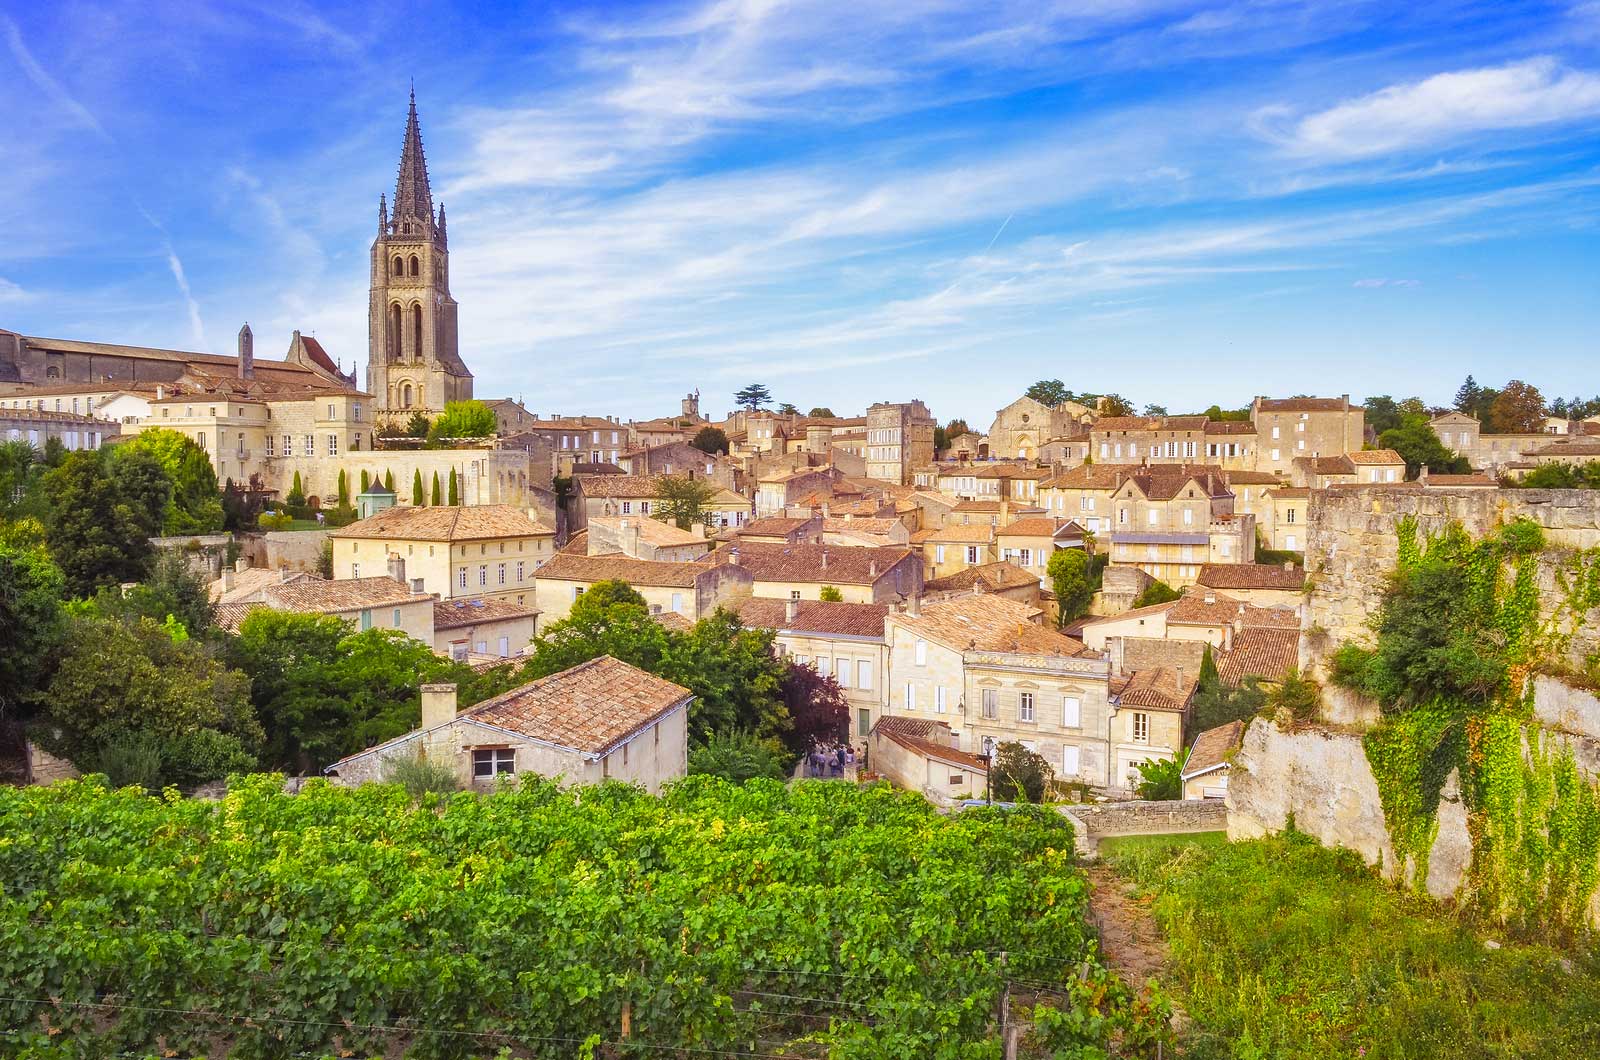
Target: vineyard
point(819, 920)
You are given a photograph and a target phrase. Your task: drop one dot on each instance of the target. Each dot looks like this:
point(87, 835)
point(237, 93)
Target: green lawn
point(1283, 949)
point(1128, 845)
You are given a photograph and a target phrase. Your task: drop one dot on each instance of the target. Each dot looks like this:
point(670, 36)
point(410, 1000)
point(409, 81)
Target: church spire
point(413, 199)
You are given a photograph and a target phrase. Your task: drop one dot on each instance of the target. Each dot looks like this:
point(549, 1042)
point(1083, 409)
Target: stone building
point(1287, 428)
point(73, 431)
point(863, 574)
point(413, 362)
point(600, 720)
point(1021, 429)
point(899, 438)
point(693, 590)
point(489, 550)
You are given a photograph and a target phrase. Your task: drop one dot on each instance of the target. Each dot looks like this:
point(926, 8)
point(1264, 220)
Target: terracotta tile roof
point(919, 536)
point(1158, 688)
point(1090, 476)
point(585, 469)
point(452, 614)
point(1305, 404)
point(992, 577)
point(472, 523)
point(617, 567)
point(651, 531)
point(1192, 608)
point(646, 487)
point(860, 525)
point(1583, 448)
point(1038, 526)
point(985, 622)
point(1459, 480)
point(1259, 652)
point(1301, 491)
point(812, 616)
point(1328, 465)
point(1366, 457)
point(986, 507)
point(963, 533)
point(231, 616)
point(672, 620)
point(848, 564)
point(927, 738)
point(1125, 423)
point(1162, 482)
point(1012, 471)
point(1230, 427)
point(773, 526)
point(1252, 478)
point(344, 594)
point(1212, 748)
point(577, 544)
point(38, 415)
point(1251, 576)
point(591, 708)
point(250, 582)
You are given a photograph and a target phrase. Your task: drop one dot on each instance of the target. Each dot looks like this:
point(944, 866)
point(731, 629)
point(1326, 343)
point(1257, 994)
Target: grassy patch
point(1281, 948)
point(1160, 847)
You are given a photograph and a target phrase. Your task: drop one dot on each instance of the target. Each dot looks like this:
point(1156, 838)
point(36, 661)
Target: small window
point(1025, 707)
point(492, 762)
point(990, 703)
point(794, 594)
point(1071, 713)
point(1141, 727)
point(922, 653)
point(366, 618)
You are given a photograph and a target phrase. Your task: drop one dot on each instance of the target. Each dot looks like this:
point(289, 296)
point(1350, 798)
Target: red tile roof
point(618, 567)
point(993, 577)
point(1157, 687)
point(926, 738)
point(453, 614)
point(823, 564)
point(1212, 748)
point(471, 523)
point(1306, 404)
point(812, 616)
point(1252, 576)
point(591, 708)
point(1259, 652)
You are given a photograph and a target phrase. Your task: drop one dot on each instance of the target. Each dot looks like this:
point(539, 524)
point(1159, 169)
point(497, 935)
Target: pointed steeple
point(383, 215)
point(442, 236)
point(413, 199)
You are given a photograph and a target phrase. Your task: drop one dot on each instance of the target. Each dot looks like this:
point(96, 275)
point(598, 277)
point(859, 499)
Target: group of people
point(830, 759)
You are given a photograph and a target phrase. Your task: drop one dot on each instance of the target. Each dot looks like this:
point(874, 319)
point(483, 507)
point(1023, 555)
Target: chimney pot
point(284, 574)
point(872, 568)
point(1288, 564)
point(438, 704)
point(228, 580)
point(791, 608)
point(397, 567)
point(824, 557)
point(733, 555)
point(1211, 597)
point(241, 564)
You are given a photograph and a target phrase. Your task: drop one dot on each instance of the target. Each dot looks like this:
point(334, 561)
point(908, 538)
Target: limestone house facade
point(1231, 444)
point(600, 720)
point(1169, 521)
point(862, 574)
point(1198, 615)
point(1150, 713)
point(564, 441)
point(596, 496)
point(489, 550)
point(1151, 439)
point(957, 547)
point(783, 530)
point(482, 627)
point(1206, 766)
point(919, 754)
point(681, 458)
point(985, 666)
point(777, 491)
point(73, 430)
point(1287, 428)
point(1031, 541)
point(899, 438)
point(1001, 578)
point(1084, 493)
point(844, 640)
point(1291, 506)
point(693, 590)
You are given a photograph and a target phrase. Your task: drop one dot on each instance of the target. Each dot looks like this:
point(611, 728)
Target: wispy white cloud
point(45, 83)
point(12, 293)
point(1381, 282)
point(1443, 108)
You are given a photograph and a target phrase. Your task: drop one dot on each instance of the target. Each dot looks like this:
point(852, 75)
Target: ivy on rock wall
point(1458, 638)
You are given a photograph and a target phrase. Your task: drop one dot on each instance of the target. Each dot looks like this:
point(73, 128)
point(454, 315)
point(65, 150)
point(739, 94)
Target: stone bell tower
point(413, 363)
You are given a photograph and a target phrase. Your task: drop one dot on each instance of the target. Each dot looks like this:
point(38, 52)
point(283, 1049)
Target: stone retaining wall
point(1093, 822)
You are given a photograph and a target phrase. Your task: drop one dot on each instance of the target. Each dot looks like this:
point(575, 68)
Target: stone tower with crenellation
point(413, 361)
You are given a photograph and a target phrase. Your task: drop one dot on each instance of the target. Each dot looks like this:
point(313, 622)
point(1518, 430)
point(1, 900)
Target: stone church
point(413, 360)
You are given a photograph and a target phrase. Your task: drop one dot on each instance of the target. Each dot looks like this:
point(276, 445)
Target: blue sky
point(1184, 203)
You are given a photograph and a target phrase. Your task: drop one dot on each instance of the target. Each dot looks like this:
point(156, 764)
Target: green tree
point(31, 622)
point(1419, 446)
point(173, 589)
point(1299, 695)
point(1017, 774)
point(296, 500)
point(1115, 405)
point(941, 438)
point(388, 480)
point(736, 678)
point(1382, 413)
point(455, 489)
point(436, 498)
point(418, 425)
point(682, 501)
point(1517, 409)
point(753, 397)
point(1563, 476)
point(1216, 703)
point(366, 480)
point(195, 503)
point(830, 594)
point(1050, 392)
point(710, 440)
point(788, 409)
point(956, 428)
point(1160, 779)
point(119, 680)
point(344, 489)
point(462, 419)
point(21, 467)
point(1157, 592)
point(610, 618)
point(1072, 578)
point(1468, 395)
point(740, 756)
point(821, 412)
point(418, 498)
point(817, 707)
point(100, 523)
point(1155, 410)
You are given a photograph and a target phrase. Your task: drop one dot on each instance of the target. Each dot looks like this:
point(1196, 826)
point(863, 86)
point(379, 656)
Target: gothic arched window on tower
point(394, 331)
point(399, 266)
point(414, 264)
point(416, 321)
point(405, 395)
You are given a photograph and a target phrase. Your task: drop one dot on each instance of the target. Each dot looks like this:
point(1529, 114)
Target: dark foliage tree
point(817, 705)
point(31, 623)
point(683, 501)
point(1467, 396)
point(753, 397)
point(739, 756)
point(1157, 592)
point(1050, 392)
point(1517, 409)
point(101, 520)
point(1115, 405)
point(821, 412)
point(1160, 779)
point(710, 440)
point(1419, 446)
point(1017, 774)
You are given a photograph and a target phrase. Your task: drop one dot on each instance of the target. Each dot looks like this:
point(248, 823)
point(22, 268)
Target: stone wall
point(295, 549)
point(1352, 547)
point(1093, 822)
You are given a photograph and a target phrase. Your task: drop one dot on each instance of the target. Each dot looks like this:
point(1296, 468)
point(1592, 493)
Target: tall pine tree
point(1468, 396)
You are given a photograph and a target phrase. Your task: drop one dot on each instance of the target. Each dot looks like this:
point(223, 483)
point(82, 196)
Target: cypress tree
point(366, 480)
point(388, 481)
point(344, 489)
point(418, 498)
point(437, 498)
point(455, 490)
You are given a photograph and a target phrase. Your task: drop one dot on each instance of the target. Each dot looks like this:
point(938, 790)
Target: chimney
point(791, 609)
point(228, 579)
point(872, 568)
point(1227, 635)
point(1288, 564)
point(733, 555)
point(1211, 597)
point(247, 349)
point(284, 574)
point(397, 567)
point(824, 557)
point(914, 604)
point(241, 564)
point(438, 704)
point(161, 392)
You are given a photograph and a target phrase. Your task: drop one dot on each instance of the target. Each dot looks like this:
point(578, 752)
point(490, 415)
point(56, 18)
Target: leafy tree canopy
point(817, 705)
point(195, 503)
point(788, 409)
point(1517, 409)
point(101, 518)
point(1073, 578)
point(1418, 444)
point(710, 440)
point(462, 419)
point(1160, 779)
point(1050, 392)
point(1563, 476)
point(753, 397)
point(821, 412)
point(30, 614)
point(739, 756)
point(1157, 592)
point(1115, 405)
point(1017, 774)
point(683, 501)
